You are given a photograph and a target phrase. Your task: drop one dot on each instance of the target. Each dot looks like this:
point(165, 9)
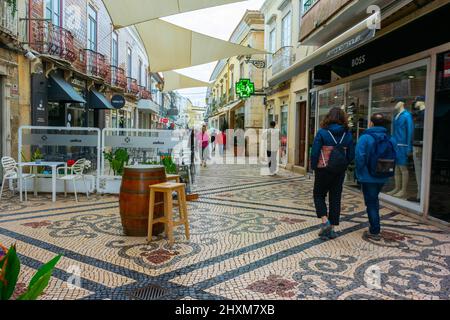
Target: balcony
point(97, 65)
point(144, 93)
point(8, 19)
point(282, 59)
point(118, 78)
point(132, 86)
point(47, 38)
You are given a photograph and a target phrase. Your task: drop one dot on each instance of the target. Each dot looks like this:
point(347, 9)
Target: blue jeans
point(371, 192)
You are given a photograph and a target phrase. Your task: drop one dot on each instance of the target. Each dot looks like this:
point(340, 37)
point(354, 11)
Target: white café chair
point(75, 173)
point(11, 172)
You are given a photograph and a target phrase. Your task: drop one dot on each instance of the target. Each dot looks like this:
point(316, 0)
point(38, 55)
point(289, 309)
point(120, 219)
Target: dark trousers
point(330, 184)
point(371, 193)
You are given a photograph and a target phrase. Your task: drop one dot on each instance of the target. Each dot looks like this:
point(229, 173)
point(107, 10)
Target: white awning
point(174, 81)
point(128, 12)
point(170, 47)
point(148, 105)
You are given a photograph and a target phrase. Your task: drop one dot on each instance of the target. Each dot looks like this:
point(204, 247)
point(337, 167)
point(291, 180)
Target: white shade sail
point(128, 12)
point(174, 81)
point(170, 47)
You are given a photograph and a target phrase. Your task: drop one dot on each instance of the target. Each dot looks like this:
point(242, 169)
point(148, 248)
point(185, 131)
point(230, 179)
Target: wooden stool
point(173, 177)
point(167, 189)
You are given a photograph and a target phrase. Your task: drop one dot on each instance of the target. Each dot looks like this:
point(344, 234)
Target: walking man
point(272, 147)
point(375, 163)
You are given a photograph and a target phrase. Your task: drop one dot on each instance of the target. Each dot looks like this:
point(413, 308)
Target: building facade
point(226, 109)
point(287, 99)
point(384, 58)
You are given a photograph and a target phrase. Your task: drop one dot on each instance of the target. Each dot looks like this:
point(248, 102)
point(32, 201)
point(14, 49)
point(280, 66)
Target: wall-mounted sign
point(118, 101)
point(164, 120)
point(245, 88)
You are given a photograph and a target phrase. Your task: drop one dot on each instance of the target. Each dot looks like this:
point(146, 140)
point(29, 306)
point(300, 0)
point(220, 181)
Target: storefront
point(412, 91)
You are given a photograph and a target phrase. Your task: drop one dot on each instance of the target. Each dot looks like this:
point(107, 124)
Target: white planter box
point(44, 184)
point(110, 185)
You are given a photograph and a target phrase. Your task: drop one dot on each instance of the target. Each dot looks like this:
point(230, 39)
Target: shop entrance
point(301, 111)
point(440, 166)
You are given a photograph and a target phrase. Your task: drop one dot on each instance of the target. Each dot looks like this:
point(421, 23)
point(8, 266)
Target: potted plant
point(117, 160)
point(9, 274)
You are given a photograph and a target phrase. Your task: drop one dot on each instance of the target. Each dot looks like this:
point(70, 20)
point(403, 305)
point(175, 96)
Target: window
point(92, 29)
point(272, 44)
point(53, 11)
point(115, 50)
point(286, 30)
point(129, 62)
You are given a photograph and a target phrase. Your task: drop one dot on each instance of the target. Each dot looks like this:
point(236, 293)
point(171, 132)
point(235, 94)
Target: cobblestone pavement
point(253, 237)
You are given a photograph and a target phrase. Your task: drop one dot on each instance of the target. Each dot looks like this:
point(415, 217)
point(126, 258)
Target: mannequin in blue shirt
point(403, 131)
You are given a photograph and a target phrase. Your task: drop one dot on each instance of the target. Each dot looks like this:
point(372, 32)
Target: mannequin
point(403, 134)
point(418, 142)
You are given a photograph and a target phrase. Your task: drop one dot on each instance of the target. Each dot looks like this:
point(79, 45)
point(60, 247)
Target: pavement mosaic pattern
point(252, 237)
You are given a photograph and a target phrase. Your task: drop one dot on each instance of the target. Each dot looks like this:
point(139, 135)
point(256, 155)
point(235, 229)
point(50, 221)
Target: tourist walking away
point(333, 150)
point(203, 140)
point(272, 148)
point(375, 164)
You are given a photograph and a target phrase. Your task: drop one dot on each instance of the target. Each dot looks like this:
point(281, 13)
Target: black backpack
point(338, 163)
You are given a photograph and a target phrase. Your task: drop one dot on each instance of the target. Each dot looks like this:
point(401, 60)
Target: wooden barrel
point(135, 196)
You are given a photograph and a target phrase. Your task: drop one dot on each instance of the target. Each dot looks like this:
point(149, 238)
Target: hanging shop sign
point(245, 88)
point(118, 101)
point(164, 120)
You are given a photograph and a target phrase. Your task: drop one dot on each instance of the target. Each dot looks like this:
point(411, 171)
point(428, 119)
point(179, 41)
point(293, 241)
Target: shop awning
point(98, 101)
point(148, 106)
point(60, 90)
point(129, 12)
point(174, 81)
point(347, 41)
point(170, 47)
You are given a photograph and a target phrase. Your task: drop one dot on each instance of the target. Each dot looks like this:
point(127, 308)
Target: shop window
point(330, 98)
point(400, 96)
point(440, 166)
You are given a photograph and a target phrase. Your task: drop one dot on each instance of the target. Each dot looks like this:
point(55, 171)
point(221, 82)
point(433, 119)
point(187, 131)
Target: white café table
point(53, 165)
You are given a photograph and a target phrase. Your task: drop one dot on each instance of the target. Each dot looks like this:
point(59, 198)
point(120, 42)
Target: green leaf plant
point(9, 274)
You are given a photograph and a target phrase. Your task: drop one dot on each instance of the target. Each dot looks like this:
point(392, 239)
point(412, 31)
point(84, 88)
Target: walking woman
point(333, 150)
point(203, 141)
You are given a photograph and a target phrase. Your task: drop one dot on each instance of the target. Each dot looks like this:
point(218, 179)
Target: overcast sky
point(218, 22)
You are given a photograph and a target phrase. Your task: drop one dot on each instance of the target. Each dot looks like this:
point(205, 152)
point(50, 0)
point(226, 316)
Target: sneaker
point(333, 234)
point(374, 237)
point(325, 230)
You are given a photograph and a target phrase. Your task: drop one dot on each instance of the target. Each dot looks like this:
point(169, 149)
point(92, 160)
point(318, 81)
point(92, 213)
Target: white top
point(41, 164)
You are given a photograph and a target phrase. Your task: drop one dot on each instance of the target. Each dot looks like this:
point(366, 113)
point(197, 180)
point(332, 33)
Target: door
point(301, 111)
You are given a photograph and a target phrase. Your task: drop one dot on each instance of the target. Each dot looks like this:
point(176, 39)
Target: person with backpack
point(375, 164)
point(333, 150)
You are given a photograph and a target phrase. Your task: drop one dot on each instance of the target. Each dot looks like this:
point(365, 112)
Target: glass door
point(400, 94)
point(440, 166)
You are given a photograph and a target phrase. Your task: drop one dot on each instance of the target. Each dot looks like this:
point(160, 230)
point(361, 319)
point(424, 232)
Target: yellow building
point(196, 116)
point(287, 97)
point(226, 110)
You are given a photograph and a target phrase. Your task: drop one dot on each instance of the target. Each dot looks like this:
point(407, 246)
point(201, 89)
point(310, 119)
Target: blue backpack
point(382, 157)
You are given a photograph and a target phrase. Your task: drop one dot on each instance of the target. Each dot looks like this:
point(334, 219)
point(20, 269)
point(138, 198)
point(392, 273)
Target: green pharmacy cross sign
point(245, 88)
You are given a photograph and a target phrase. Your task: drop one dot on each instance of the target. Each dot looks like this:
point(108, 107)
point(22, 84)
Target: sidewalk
point(252, 237)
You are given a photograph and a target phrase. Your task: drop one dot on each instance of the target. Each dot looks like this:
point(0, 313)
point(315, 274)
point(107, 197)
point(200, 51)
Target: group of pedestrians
point(206, 141)
point(333, 151)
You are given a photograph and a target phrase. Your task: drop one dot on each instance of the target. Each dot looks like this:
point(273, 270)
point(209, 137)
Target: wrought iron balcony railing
point(132, 86)
point(47, 38)
point(97, 65)
point(144, 93)
point(118, 77)
point(8, 19)
point(282, 59)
